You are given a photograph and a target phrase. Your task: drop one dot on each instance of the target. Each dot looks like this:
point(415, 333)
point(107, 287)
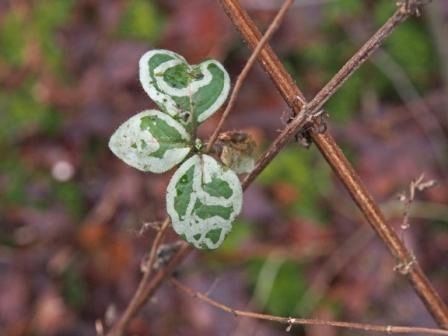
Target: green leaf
point(143, 20)
point(310, 177)
point(182, 90)
point(203, 199)
point(14, 112)
point(151, 141)
point(12, 39)
point(278, 284)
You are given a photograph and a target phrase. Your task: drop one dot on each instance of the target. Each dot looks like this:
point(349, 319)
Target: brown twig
point(374, 216)
point(330, 149)
point(139, 294)
point(250, 62)
point(148, 285)
point(362, 55)
point(419, 109)
point(294, 97)
point(152, 285)
point(290, 321)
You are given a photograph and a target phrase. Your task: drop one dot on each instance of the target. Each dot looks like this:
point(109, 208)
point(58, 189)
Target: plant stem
point(331, 150)
point(295, 99)
point(250, 62)
point(290, 321)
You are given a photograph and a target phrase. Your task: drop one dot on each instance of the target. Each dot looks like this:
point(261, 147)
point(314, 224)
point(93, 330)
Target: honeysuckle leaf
point(151, 141)
point(203, 198)
point(184, 91)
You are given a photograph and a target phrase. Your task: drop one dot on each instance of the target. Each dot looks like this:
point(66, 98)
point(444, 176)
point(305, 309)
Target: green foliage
point(409, 45)
point(411, 48)
point(17, 176)
point(19, 31)
point(279, 293)
point(293, 166)
point(241, 231)
point(383, 10)
point(12, 39)
point(337, 9)
point(49, 16)
point(326, 59)
point(69, 195)
point(74, 288)
point(345, 102)
point(22, 112)
point(288, 286)
point(141, 20)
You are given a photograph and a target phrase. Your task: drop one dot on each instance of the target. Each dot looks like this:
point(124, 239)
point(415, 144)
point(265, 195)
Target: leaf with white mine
point(182, 90)
point(151, 141)
point(203, 199)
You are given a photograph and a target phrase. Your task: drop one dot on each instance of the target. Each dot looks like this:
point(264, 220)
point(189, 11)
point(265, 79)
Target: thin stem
point(139, 294)
point(295, 99)
point(250, 62)
point(148, 285)
point(407, 264)
point(361, 56)
point(290, 321)
point(304, 111)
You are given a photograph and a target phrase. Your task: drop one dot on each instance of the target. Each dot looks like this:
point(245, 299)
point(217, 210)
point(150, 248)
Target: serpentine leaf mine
point(203, 198)
point(184, 91)
point(151, 141)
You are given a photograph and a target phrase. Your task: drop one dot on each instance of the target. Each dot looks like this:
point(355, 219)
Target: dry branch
point(290, 321)
point(136, 301)
point(148, 285)
point(243, 74)
point(295, 99)
point(329, 148)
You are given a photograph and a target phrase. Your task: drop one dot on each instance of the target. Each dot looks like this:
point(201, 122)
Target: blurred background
point(75, 221)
